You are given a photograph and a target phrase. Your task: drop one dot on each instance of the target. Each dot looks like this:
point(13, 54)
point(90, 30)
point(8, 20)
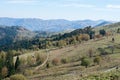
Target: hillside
point(56, 25)
point(72, 69)
point(70, 56)
point(14, 33)
point(112, 27)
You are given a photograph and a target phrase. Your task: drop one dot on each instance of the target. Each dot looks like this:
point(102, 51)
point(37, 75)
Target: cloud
point(113, 6)
point(79, 5)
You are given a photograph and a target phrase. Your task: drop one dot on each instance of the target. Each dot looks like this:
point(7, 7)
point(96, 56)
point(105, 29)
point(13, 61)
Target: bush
point(84, 37)
point(47, 65)
point(55, 61)
point(98, 36)
point(85, 62)
point(97, 59)
point(40, 58)
point(90, 52)
point(4, 72)
point(18, 77)
point(102, 32)
point(64, 60)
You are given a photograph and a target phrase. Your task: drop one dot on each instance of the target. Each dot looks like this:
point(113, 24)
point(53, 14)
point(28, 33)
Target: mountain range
point(53, 25)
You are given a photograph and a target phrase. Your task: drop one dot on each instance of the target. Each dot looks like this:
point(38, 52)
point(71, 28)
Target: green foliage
point(102, 32)
point(92, 34)
point(85, 62)
point(113, 75)
point(118, 30)
point(64, 60)
point(47, 65)
point(9, 63)
point(97, 59)
point(102, 51)
point(17, 63)
point(59, 40)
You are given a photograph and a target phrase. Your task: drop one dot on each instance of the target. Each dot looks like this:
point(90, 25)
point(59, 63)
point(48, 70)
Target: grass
point(73, 70)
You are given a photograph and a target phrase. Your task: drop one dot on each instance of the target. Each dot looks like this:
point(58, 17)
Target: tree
point(118, 30)
point(9, 63)
point(113, 39)
point(102, 32)
point(47, 65)
point(92, 34)
point(17, 63)
point(85, 62)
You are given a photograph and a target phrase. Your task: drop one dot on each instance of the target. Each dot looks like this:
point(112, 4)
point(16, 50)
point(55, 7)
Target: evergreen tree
point(102, 32)
point(9, 63)
point(17, 63)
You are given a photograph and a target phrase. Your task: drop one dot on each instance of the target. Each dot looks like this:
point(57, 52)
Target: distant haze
point(56, 25)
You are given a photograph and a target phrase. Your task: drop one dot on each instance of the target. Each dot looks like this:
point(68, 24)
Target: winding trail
point(48, 54)
point(110, 69)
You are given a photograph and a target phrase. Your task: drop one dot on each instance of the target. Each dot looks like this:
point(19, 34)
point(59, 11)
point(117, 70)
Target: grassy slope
point(73, 70)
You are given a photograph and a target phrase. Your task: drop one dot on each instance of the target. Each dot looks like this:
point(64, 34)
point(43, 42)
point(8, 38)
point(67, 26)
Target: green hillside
point(71, 57)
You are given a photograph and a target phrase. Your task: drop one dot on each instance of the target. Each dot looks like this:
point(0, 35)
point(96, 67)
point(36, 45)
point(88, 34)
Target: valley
point(82, 54)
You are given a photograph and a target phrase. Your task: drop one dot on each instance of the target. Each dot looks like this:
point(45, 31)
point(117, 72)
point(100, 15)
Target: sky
point(61, 9)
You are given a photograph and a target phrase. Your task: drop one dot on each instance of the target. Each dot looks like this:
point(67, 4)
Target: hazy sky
point(61, 9)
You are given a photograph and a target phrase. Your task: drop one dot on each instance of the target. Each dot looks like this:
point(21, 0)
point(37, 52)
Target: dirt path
point(48, 55)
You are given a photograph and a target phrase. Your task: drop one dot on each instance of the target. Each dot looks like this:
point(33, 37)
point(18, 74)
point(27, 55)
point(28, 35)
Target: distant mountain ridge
point(53, 25)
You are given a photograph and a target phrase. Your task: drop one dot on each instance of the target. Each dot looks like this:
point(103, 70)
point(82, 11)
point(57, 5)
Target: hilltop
point(53, 25)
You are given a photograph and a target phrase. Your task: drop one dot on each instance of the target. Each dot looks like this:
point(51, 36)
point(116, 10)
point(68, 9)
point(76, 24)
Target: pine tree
point(9, 63)
point(17, 63)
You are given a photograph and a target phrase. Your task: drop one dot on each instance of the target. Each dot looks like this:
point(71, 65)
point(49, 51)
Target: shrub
point(40, 58)
point(84, 37)
point(55, 61)
point(85, 62)
point(98, 36)
point(102, 32)
point(64, 60)
point(90, 52)
point(18, 77)
point(97, 59)
point(4, 72)
point(47, 65)
point(17, 63)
